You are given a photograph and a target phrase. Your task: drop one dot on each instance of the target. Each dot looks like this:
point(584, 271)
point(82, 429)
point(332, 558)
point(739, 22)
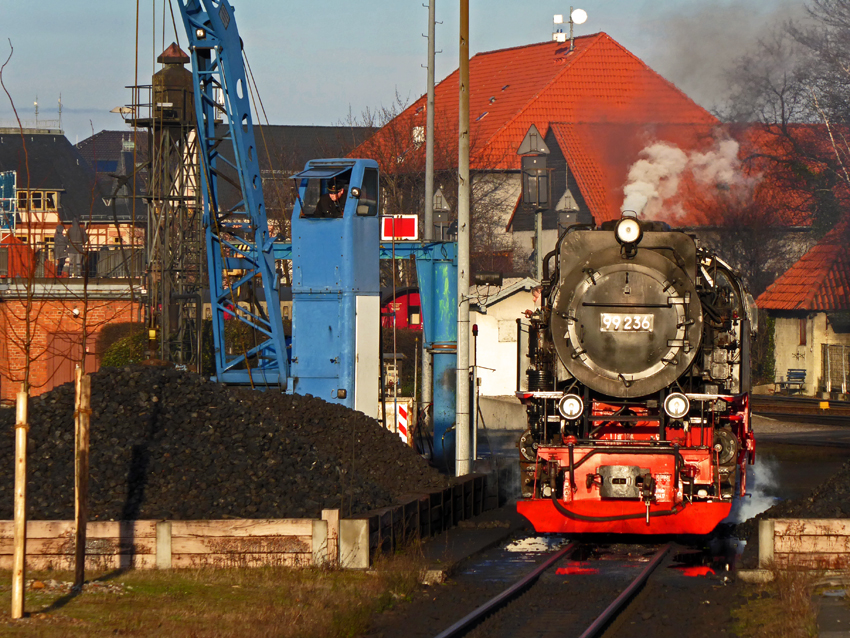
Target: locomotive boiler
point(638, 385)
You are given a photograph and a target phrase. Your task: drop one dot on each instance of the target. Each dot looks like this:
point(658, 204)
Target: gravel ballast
point(167, 444)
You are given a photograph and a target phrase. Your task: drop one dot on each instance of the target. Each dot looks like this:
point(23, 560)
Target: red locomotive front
point(638, 385)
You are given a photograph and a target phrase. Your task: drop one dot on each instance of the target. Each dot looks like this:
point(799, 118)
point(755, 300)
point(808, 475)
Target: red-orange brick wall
point(56, 340)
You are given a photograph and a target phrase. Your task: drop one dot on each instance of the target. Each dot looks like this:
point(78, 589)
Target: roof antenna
point(577, 16)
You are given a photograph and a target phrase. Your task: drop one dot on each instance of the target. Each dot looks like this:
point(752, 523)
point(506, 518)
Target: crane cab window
point(367, 205)
point(324, 198)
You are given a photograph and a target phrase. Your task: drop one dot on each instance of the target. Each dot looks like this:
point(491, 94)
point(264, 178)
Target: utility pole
point(463, 463)
point(429, 129)
point(428, 231)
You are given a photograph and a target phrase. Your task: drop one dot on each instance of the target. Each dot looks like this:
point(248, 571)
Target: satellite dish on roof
point(579, 16)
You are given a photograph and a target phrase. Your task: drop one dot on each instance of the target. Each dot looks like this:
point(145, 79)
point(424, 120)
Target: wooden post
point(82, 416)
point(20, 540)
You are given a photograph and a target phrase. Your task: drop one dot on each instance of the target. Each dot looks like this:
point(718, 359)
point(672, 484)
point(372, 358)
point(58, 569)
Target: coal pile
point(829, 500)
point(166, 444)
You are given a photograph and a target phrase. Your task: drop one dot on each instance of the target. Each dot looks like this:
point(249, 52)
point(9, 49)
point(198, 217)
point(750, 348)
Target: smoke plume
point(696, 44)
point(761, 487)
point(654, 179)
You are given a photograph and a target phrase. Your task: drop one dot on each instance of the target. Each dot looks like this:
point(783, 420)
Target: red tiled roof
point(511, 89)
point(819, 281)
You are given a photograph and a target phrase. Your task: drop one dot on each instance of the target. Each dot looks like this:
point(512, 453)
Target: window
point(321, 196)
point(414, 316)
point(803, 324)
point(368, 203)
point(38, 200)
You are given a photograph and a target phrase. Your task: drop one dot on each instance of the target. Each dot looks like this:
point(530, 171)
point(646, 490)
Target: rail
point(605, 618)
point(801, 409)
point(465, 624)
point(460, 627)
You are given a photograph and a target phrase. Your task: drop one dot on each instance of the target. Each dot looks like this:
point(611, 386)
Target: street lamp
point(535, 185)
point(441, 212)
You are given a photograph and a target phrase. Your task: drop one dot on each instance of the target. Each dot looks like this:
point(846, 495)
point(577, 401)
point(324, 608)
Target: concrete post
point(766, 543)
point(463, 463)
point(163, 545)
point(332, 517)
point(428, 230)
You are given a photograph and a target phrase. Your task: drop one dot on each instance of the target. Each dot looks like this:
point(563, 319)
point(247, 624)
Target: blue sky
point(315, 60)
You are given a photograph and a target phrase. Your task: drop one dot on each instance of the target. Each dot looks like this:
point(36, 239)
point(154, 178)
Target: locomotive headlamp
point(676, 405)
point(628, 231)
point(571, 406)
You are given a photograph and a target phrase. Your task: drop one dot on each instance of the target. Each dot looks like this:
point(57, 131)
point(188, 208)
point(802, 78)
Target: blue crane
point(237, 238)
point(336, 308)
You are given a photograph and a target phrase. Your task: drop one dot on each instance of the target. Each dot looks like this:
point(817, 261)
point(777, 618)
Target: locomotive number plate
point(624, 322)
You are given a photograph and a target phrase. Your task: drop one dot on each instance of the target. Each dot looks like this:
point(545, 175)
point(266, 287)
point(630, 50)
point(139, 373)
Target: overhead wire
point(173, 22)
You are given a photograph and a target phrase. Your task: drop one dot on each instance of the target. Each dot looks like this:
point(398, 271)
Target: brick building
point(62, 327)
point(47, 182)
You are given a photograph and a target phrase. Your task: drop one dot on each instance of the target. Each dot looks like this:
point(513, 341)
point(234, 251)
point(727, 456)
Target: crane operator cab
point(335, 283)
point(327, 196)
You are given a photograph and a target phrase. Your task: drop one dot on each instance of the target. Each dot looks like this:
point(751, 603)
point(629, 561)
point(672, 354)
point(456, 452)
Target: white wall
point(497, 343)
point(790, 354)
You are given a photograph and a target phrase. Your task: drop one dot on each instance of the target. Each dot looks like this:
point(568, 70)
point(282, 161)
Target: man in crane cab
point(332, 203)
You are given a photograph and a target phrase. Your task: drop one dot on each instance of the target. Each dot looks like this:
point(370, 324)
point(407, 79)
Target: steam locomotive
point(638, 385)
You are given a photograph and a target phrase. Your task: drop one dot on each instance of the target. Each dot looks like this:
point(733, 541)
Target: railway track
point(802, 409)
point(522, 611)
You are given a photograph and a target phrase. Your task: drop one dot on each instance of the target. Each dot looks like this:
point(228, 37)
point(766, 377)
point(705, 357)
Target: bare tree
point(795, 85)
point(398, 147)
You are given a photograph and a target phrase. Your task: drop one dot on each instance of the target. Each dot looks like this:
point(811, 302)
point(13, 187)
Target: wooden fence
point(808, 542)
point(167, 544)
point(352, 542)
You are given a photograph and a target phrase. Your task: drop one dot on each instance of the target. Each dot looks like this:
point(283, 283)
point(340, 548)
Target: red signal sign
point(400, 228)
